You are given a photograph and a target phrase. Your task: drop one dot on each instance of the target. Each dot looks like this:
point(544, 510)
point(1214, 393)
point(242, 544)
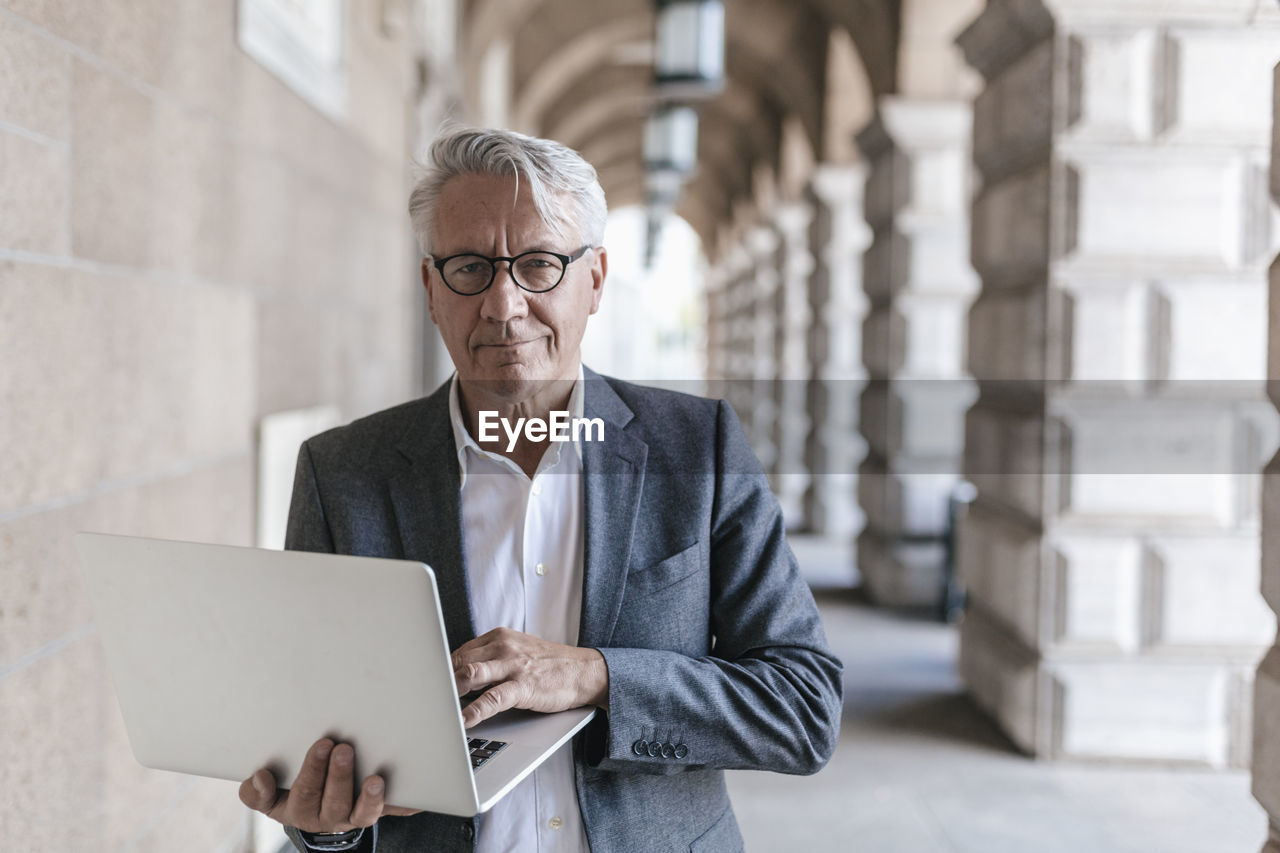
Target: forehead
point(479, 211)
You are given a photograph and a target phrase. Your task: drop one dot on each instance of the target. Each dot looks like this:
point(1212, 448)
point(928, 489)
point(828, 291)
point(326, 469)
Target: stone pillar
point(919, 282)
point(833, 447)
point(790, 477)
point(762, 248)
point(739, 332)
point(1266, 694)
point(1122, 235)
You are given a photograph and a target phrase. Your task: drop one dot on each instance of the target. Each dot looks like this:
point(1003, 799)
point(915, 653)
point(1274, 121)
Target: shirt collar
point(463, 441)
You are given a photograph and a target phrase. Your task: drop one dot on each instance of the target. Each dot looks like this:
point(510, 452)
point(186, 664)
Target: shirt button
point(537, 488)
point(555, 823)
point(540, 569)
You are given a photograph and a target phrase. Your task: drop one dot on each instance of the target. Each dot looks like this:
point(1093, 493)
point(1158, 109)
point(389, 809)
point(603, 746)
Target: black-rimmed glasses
point(536, 272)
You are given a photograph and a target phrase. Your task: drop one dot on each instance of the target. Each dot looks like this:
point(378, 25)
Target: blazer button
point(640, 747)
point(655, 749)
point(681, 750)
point(668, 751)
point(468, 831)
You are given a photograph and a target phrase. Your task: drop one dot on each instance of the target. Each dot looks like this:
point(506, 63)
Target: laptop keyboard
point(482, 750)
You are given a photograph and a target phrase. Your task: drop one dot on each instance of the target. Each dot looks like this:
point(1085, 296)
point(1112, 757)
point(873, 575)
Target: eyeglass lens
point(536, 271)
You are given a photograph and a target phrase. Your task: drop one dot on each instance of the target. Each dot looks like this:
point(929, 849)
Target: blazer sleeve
point(307, 529)
point(769, 695)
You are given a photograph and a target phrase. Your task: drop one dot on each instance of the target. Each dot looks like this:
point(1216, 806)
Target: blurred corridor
point(990, 283)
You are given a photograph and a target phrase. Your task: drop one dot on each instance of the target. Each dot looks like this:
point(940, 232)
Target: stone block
point(1143, 211)
point(137, 38)
point(53, 713)
point(208, 809)
point(1005, 457)
point(884, 264)
point(1112, 91)
point(1137, 458)
point(1096, 583)
point(930, 429)
point(933, 336)
point(1106, 333)
point(299, 345)
point(1011, 229)
point(77, 21)
point(936, 259)
point(937, 184)
point(1002, 675)
point(883, 342)
point(1266, 733)
point(1210, 62)
point(1000, 564)
point(264, 195)
point(205, 59)
point(33, 195)
point(900, 575)
point(52, 445)
point(1007, 338)
point(180, 382)
point(35, 83)
point(41, 601)
point(1205, 595)
point(111, 169)
point(1232, 347)
point(191, 203)
point(1167, 711)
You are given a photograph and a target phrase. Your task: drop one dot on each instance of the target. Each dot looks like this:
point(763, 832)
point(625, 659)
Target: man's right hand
point(321, 797)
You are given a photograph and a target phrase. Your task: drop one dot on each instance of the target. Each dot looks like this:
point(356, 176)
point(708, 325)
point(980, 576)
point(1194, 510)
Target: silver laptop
point(229, 659)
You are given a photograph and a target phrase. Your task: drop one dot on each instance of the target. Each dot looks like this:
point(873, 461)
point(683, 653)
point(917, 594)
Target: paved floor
point(920, 769)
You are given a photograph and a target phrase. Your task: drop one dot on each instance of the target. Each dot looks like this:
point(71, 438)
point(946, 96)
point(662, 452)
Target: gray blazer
point(690, 592)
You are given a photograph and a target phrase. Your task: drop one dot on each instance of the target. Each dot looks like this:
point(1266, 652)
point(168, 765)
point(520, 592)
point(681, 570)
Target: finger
point(475, 675)
point(369, 804)
point(468, 650)
point(259, 792)
point(335, 807)
point(493, 701)
point(303, 800)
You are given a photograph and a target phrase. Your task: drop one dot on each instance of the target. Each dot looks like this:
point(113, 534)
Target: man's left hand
point(518, 670)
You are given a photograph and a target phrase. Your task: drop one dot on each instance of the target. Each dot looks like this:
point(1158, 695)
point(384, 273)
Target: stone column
point(1266, 695)
point(791, 309)
point(762, 249)
point(833, 447)
point(1122, 236)
point(919, 282)
point(739, 331)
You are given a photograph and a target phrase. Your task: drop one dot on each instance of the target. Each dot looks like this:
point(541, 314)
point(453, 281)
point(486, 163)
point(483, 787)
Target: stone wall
point(185, 246)
point(1266, 697)
point(1122, 235)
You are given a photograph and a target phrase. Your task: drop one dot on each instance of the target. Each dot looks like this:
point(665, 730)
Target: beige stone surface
point(191, 205)
point(111, 169)
point(180, 382)
point(136, 37)
point(35, 82)
point(51, 398)
point(77, 21)
point(33, 195)
point(53, 715)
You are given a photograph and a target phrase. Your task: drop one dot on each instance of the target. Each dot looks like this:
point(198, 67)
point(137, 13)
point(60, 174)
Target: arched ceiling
point(581, 72)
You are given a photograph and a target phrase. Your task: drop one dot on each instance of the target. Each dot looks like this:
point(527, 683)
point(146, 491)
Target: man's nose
point(503, 299)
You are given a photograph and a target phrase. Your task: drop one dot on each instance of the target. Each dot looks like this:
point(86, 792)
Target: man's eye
point(469, 269)
point(539, 263)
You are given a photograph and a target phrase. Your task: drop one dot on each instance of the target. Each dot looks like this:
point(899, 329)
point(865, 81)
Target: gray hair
point(548, 168)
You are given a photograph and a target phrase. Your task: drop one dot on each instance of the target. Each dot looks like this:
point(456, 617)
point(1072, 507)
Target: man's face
point(507, 341)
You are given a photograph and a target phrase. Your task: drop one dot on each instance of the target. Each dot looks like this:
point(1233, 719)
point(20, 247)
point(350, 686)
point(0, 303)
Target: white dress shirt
point(522, 544)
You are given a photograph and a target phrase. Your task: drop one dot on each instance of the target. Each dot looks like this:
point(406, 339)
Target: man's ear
point(599, 269)
point(426, 283)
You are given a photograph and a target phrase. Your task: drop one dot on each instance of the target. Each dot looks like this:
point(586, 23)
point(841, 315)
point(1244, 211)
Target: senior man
point(646, 573)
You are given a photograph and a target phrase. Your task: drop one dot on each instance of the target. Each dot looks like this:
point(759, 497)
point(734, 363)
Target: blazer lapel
point(425, 499)
point(613, 478)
